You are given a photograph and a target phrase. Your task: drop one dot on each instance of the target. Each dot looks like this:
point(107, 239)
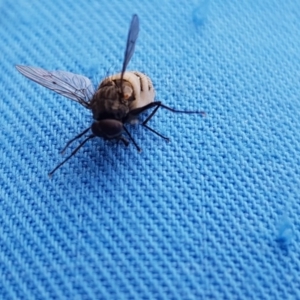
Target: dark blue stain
point(285, 234)
point(200, 12)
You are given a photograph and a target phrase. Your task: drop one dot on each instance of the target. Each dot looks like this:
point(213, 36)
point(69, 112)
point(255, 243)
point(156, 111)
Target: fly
point(119, 99)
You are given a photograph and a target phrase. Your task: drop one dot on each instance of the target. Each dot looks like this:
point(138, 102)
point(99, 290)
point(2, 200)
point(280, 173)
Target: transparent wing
point(76, 87)
point(131, 40)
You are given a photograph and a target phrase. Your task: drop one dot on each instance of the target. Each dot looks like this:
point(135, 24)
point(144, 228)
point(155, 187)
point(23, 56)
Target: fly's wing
point(131, 41)
point(76, 87)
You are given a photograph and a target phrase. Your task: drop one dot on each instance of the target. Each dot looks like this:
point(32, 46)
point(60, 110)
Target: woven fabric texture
point(213, 214)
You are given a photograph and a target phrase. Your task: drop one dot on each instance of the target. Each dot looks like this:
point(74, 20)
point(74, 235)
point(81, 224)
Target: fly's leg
point(132, 139)
point(135, 112)
point(72, 154)
point(126, 143)
point(74, 139)
point(156, 105)
point(149, 128)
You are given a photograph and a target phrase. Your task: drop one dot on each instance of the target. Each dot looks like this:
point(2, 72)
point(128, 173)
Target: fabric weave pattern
point(211, 215)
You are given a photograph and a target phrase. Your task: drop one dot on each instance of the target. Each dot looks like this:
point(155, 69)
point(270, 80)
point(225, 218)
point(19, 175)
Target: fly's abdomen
point(145, 92)
point(141, 92)
point(112, 100)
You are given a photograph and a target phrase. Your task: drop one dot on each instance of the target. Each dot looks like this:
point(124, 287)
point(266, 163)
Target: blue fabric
point(213, 214)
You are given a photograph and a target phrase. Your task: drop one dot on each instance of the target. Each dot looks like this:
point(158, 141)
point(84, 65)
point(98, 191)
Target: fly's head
point(108, 129)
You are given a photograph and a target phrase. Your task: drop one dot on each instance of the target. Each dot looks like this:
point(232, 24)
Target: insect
point(119, 99)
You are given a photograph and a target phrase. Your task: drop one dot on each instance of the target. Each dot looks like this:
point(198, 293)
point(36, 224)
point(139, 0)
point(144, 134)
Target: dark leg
point(131, 138)
point(121, 138)
point(72, 154)
point(126, 143)
point(157, 104)
point(183, 111)
point(149, 128)
point(151, 115)
point(135, 112)
point(75, 138)
point(157, 133)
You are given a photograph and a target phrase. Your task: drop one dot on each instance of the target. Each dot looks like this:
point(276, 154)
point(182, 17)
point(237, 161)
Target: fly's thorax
point(110, 101)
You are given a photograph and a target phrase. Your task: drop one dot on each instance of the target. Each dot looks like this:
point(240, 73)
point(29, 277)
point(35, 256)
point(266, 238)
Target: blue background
point(214, 214)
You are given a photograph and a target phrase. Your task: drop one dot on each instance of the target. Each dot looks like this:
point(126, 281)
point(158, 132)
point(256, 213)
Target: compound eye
point(108, 128)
